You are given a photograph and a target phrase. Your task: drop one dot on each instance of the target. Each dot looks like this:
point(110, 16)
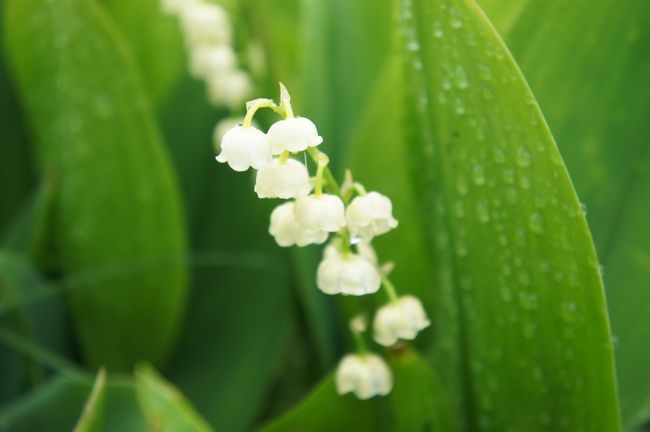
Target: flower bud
point(282, 180)
point(288, 232)
point(365, 375)
point(320, 213)
point(293, 135)
point(402, 319)
point(244, 147)
point(370, 215)
point(212, 61)
point(347, 273)
point(230, 88)
point(205, 24)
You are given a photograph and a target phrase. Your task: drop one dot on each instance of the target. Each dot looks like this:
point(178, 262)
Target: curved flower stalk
point(320, 209)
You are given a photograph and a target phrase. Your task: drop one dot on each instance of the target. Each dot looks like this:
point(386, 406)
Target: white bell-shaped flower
point(205, 24)
point(402, 319)
point(370, 215)
point(294, 135)
point(244, 147)
point(366, 375)
point(212, 61)
point(288, 232)
point(230, 88)
point(348, 273)
point(320, 212)
point(282, 180)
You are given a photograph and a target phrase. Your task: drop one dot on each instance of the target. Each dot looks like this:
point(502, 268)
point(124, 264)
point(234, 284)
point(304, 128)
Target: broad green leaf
point(504, 13)
point(522, 338)
point(418, 399)
point(155, 40)
point(164, 406)
point(91, 417)
point(118, 208)
point(325, 410)
point(588, 64)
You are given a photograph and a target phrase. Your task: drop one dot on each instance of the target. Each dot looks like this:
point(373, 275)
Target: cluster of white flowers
point(320, 208)
point(208, 35)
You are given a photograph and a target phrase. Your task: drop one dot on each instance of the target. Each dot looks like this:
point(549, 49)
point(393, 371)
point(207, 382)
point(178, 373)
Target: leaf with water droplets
point(119, 227)
point(588, 64)
point(520, 304)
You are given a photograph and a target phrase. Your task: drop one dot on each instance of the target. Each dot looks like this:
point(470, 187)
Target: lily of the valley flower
point(401, 319)
point(366, 375)
point(293, 135)
point(209, 61)
point(320, 212)
point(287, 232)
point(370, 215)
point(205, 24)
point(347, 273)
point(229, 88)
point(244, 147)
point(176, 6)
point(278, 179)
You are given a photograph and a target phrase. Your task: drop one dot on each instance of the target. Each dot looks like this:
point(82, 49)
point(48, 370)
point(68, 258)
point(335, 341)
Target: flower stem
point(390, 289)
point(360, 342)
point(330, 183)
point(253, 106)
point(284, 157)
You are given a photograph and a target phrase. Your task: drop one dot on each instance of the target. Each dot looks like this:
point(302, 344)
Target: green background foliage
point(124, 245)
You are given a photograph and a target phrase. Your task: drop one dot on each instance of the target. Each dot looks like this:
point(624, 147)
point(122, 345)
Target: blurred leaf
point(164, 406)
point(522, 332)
point(53, 406)
point(504, 13)
point(16, 172)
point(91, 417)
point(29, 312)
point(344, 44)
point(418, 399)
point(117, 208)
point(158, 50)
point(325, 410)
point(588, 64)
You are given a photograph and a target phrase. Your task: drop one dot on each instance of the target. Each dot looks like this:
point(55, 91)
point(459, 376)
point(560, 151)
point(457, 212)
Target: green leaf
point(16, 174)
point(325, 410)
point(118, 214)
point(522, 338)
point(91, 417)
point(587, 62)
point(418, 399)
point(159, 50)
point(164, 406)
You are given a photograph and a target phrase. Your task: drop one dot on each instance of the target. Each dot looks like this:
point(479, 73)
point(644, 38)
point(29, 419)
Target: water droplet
point(484, 72)
point(529, 330)
point(460, 209)
point(523, 157)
point(461, 185)
point(455, 18)
point(528, 300)
point(459, 107)
point(482, 212)
point(583, 208)
point(569, 311)
point(508, 175)
point(437, 30)
point(523, 278)
point(506, 294)
point(461, 248)
point(461, 77)
point(536, 223)
point(498, 154)
point(412, 46)
point(478, 176)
